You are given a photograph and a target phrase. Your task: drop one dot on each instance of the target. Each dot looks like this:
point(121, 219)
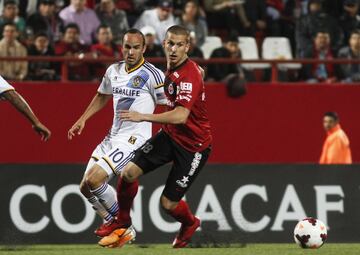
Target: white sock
point(106, 195)
point(100, 209)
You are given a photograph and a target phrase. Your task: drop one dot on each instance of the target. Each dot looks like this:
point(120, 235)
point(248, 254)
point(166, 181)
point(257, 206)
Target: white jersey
point(138, 89)
point(4, 85)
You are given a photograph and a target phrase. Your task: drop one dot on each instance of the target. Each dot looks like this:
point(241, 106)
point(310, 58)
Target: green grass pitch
point(163, 249)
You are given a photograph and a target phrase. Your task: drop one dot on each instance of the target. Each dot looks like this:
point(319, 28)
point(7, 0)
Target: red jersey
point(184, 86)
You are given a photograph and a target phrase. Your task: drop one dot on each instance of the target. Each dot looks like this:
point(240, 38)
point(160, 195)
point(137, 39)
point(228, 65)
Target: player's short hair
point(178, 30)
point(332, 115)
point(72, 25)
point(133, 31)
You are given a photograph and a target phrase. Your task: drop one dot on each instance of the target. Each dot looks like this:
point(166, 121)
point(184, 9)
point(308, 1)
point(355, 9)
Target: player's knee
point(84, 189)
point(167, 204)
point(94, 180)
point(128, 176)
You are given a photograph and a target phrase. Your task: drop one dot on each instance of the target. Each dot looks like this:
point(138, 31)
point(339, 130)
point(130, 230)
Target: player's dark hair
point(178, 30)
point(133, 31)
point(72, 25)
point(332, 115)
point(102, 26)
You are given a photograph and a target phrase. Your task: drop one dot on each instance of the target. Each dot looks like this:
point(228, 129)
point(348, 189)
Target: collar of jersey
point(135, 67)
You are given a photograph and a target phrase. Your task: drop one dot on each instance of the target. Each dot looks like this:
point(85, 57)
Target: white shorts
point(112, 156)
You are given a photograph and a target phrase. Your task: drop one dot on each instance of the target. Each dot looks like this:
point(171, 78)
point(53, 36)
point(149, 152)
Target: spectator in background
point(192, 21)
point(42, 70)
point(45, 20)
point(114, 18)
point(350, 20)
point(84, 17)
point(256, 14)
point(11, 47)
point(351, 72)
point(336, 148)
point(281, 17)
point(10, 15)
point(104, 48)
point(320, 50)
point(194, 50)
point(153, 50)
point(70, 45)
point(231, 50)
point(226, 15)
point(314, 21)
point(160, 18)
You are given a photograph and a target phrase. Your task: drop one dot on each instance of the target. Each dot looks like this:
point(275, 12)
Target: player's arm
point(22, 106)
point(178, 115)
point(97, 103)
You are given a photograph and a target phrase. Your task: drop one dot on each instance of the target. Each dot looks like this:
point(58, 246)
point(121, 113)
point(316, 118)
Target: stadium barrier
point(275, 63)
point(270, 124)
point(42, 204)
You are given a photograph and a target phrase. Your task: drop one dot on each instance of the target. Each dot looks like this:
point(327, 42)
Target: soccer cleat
point(185, 234)
point(107, 228)
point(118, 238)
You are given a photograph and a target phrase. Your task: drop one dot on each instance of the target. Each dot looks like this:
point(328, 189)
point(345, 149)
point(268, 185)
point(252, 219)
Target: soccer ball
point(310, 233)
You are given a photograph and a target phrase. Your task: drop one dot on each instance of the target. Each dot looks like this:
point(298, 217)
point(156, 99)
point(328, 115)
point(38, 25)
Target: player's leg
point(93, 200)
point(109, 165)
point(154, 153)
point(97, 180)
point(186, 167)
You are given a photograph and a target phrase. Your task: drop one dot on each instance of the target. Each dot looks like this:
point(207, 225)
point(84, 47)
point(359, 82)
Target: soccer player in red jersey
point(185, 140)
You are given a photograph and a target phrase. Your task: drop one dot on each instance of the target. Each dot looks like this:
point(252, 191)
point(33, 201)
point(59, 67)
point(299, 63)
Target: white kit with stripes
point(138, 89)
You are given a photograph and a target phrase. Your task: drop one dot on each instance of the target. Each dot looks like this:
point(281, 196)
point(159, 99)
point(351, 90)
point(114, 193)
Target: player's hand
point(76, 129)
point(131, 116)
point(43, 131)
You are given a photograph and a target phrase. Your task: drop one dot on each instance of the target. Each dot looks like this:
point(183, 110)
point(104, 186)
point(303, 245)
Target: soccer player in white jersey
point(133, 84)
point(7, 92)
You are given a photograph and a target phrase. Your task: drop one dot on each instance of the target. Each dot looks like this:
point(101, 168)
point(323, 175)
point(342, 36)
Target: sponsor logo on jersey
point(186, 86)
point(183, 182)
point(195, 163)
point(132, 139)
point(176, 74)
point(126, 92)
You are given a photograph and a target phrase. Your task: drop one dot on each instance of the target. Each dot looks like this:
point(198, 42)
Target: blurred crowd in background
point(316, 29)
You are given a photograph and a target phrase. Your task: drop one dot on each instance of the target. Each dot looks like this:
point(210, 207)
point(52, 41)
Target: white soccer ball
point(310, 233)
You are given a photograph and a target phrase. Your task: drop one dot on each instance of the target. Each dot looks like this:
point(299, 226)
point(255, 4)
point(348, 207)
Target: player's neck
point(130, 68)
point(178, 64)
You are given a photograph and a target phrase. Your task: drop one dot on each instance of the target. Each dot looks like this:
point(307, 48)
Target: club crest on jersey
point(136, 81)
point(132, 139)
point(171, 89)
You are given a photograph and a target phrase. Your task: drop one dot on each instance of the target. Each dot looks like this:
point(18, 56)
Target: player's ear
point(187, 47)
point(144, 49)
